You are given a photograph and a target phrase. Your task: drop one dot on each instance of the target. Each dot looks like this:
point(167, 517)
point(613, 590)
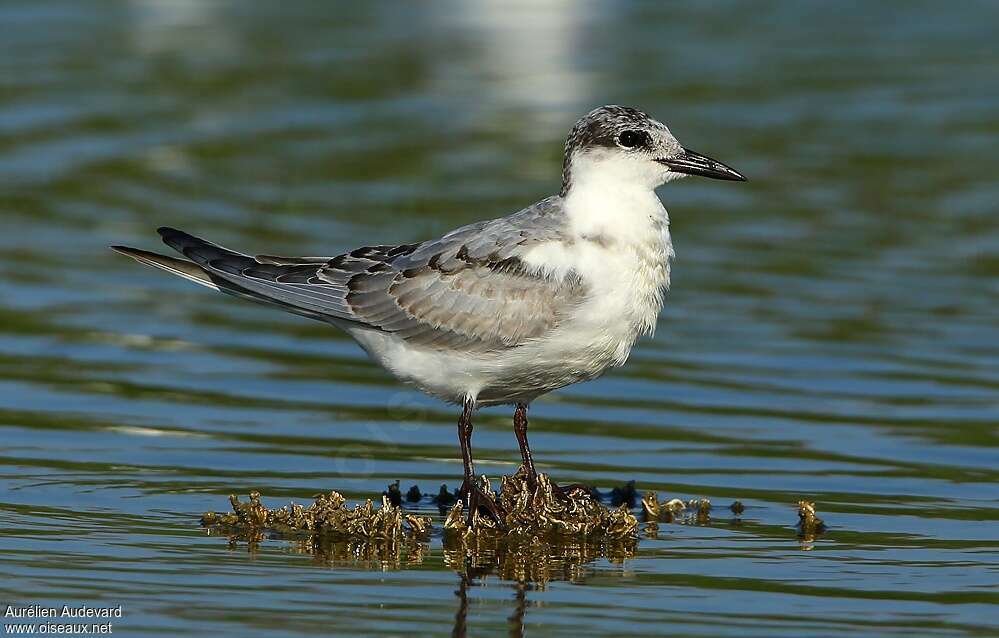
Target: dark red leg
point(465, 439)
point(520, 429)
point(471, 492)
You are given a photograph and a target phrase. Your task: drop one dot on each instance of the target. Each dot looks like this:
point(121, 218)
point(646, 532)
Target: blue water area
point(831, 333)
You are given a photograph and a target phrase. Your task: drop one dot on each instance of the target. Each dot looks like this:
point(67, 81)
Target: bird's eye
point(630, 139)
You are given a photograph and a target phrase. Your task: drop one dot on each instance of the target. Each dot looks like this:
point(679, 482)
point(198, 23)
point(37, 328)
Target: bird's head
point(624, 144)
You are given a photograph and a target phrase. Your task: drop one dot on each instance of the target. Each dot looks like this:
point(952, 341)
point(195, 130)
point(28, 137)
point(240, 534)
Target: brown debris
point(529, 510)
point(539, 511)
point(809, 525)
point(702, 507)
point(698, 510)
point(672, 508)
point(327, 516)
point(650, 506)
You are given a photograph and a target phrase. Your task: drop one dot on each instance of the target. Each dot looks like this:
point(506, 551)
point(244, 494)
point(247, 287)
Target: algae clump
point(328, 515)
point(538, 508)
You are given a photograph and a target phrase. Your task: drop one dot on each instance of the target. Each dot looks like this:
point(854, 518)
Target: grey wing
point(285, 285)
point(469, 290)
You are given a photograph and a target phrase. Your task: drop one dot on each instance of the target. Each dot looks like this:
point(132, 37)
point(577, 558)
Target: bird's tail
point(277, 281)
point(180, 267)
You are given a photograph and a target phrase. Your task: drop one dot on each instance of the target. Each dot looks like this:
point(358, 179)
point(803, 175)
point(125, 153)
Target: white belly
point(625, 287)
point(518, 374)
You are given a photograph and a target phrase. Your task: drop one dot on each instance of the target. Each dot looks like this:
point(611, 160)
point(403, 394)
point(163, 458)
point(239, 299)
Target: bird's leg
point(465, 439)
point(520, 429)
point(471, 492)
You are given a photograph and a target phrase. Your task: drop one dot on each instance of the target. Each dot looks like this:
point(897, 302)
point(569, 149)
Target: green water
point(832, 332)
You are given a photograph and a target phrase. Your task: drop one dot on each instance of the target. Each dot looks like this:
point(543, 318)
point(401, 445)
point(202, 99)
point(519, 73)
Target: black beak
point(693, 163)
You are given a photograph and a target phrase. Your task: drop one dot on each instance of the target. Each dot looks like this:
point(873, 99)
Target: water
point(831, 334)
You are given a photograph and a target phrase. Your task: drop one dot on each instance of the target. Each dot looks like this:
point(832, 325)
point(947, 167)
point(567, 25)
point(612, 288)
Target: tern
point(497, 312)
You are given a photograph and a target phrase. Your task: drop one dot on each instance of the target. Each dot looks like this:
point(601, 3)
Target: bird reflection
point(528, 564)
point(515, 620)
point(522, 563)
point(533, 560)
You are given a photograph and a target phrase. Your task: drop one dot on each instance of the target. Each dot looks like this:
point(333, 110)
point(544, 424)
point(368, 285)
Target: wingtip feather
point(180, 267)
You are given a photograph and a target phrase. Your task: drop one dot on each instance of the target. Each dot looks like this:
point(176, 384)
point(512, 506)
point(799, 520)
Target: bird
point(497, 312)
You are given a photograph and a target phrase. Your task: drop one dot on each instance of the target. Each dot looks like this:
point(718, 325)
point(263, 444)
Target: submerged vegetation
point(545, 533)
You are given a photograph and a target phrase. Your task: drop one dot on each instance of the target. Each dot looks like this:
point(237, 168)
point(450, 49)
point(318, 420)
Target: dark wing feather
point(245, 276)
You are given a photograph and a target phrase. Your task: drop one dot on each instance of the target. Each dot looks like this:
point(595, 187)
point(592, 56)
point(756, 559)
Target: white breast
point(619, 244)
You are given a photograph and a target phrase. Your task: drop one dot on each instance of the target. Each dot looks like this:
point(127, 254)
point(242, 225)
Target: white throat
point(615, 198)
point(621, 234)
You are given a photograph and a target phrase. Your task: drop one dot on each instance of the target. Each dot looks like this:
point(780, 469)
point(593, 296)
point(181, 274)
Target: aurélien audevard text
point(77, 613)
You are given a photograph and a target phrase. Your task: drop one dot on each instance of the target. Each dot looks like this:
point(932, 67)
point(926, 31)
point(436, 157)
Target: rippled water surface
point(831, 334)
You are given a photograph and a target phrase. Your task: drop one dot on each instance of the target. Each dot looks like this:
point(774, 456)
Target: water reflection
point(534, 560)
point(525, 55)
point(515, 620)
point(523, 559)
point(178, 27)
point(380, 554)
point(521, 563)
